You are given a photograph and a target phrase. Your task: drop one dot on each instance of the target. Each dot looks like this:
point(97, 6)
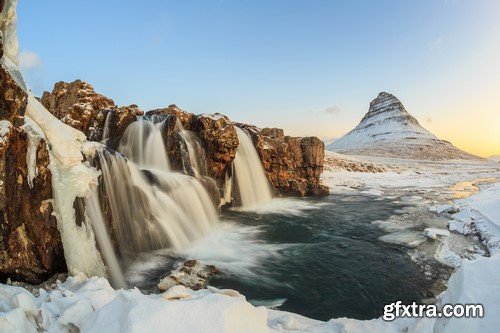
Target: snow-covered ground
point(92, 305)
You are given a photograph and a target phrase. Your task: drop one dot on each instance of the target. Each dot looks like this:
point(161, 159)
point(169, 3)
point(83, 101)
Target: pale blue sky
point(311, 67)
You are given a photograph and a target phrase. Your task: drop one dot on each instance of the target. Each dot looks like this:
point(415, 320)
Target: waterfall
point(94, 212)
point(251, 180)
point(142, 143)
point(151, 207)
point(194, 160)
point(106, 130)
point(194, 157)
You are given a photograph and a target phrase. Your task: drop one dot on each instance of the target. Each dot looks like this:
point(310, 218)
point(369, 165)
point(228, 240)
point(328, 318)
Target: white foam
point(233, 248)
point(283, 206)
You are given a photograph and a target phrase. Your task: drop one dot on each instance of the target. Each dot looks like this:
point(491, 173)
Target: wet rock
point(30, 244)
point(117, 122)
point(174, 117)
point(219, 138)
point(192, 274)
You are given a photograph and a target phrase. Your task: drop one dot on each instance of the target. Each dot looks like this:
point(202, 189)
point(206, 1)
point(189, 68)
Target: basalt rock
point(30, 244)
point(293, 165)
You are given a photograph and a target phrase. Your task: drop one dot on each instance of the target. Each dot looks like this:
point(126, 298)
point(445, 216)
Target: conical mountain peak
point(387, 129)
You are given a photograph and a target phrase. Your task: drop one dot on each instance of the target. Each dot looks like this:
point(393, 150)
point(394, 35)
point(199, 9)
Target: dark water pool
point(333, 264)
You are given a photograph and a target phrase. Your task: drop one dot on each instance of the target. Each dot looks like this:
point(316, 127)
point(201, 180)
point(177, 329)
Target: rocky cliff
point(388, 129)
point(30, 245)
point(293, 165)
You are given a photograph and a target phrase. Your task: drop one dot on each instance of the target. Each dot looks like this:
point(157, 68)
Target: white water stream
point(251, 179)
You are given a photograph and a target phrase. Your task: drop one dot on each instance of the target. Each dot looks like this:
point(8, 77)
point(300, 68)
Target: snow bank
point(481, 212)
point(475, 282)
point(92, 305)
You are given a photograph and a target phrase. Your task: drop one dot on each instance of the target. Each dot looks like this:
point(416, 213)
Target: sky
point(310, 67)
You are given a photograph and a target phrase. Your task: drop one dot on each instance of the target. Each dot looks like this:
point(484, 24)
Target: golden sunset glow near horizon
point(472, 125)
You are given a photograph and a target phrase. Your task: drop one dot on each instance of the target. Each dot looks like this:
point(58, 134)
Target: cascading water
point(150, 206)
point(194, 157)
point(251, 180)
point(194, 160)
point(94, 210)
point(142, 143)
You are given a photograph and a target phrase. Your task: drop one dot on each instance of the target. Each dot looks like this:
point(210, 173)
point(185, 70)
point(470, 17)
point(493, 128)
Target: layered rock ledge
point(293, 165)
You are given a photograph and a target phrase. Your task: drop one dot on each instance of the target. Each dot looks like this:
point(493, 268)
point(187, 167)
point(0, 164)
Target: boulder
point(191, 274)
point(78, 105)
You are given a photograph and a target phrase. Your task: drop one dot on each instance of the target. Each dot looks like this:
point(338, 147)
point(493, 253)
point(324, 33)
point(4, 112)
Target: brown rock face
point(186, 118)
point(13, 99)
point(171, 138)
point(218, 136)
point(117, 122)
point(30, 245)
point(78, 105)
point(293, 165)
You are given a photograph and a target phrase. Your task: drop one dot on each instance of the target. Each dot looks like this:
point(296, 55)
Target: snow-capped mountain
point(389, 130)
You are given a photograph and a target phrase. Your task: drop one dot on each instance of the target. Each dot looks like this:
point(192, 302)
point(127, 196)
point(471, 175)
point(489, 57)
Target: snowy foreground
point(92, 305)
